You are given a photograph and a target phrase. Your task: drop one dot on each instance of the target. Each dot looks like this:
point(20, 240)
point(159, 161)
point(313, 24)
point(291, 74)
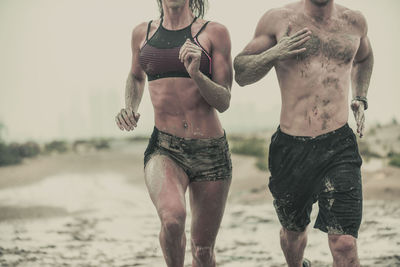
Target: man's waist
point(340, 130)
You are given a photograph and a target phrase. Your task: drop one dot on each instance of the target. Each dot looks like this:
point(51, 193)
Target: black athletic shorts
point(326, 169)
point(201, 159)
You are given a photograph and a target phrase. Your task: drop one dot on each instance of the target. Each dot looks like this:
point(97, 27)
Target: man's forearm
point(251, 68)
point(133, 92)
point(216, 95)
point(361, 76)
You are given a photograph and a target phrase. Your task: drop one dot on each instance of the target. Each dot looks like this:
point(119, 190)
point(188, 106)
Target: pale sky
point(63, 65)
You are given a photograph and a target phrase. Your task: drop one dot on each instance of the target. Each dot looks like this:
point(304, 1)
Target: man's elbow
point(240, 79)
point(368, 59)
point(222, 109)
point(241, 76)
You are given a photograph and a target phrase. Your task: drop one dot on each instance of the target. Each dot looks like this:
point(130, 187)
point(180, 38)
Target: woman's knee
point(173, 221)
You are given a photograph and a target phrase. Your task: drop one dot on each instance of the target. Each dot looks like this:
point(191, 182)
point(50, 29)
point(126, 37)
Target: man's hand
point(287, 47)
point(190, 55)
point(126, 119)
point(358, 111)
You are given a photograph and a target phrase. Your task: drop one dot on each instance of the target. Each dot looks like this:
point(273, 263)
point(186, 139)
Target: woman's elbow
point(224, 105)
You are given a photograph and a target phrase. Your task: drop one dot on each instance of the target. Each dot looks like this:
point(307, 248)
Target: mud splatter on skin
point(307, 117)
point(305, 96)
point(350, 20)
point(331, 81)
point(315, 110)
point(325, 102)
point(336, 50)
point(325, 117)
point(313, 48)
point(331, 49)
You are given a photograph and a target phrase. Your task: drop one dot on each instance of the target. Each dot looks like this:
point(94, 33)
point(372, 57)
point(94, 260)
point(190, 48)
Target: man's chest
point(334, 42)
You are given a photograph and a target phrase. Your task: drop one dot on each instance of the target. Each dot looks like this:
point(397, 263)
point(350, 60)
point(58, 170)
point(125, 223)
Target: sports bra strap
point(201, 29)
point(148, 30)
point(195, 18)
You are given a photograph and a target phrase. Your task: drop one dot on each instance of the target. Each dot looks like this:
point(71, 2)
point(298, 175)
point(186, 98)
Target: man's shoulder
point(279, 13)
point(353, 18)
point(273, 19)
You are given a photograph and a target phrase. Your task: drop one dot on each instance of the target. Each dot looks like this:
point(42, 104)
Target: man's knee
point(173, 222)
point(342, 244)
point(292, 235)
point(203, 253)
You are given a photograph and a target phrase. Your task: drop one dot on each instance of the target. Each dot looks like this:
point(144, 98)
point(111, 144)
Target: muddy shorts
point(326, 169)
point(201, 159)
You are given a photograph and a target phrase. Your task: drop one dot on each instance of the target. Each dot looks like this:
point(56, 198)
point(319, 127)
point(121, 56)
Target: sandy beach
point(92, 209)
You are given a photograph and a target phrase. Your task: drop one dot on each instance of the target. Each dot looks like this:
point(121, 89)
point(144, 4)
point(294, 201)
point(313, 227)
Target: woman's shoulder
point(144, 26)
point(212, 27)
point(141, 30)
point(216, 33)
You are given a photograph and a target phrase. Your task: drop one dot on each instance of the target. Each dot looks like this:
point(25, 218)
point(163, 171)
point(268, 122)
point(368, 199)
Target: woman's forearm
point(216, 95)
point(133, 92)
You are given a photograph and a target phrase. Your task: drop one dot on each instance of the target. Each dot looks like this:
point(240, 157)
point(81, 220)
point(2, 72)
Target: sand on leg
point(167, 184)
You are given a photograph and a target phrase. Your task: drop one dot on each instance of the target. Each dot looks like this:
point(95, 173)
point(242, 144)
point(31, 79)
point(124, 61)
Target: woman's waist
point(192, 125)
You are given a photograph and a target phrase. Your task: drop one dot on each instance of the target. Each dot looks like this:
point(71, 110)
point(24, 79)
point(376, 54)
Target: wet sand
point(92, 209)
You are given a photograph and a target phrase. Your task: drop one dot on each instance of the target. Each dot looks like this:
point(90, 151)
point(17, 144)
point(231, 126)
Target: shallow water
point(104, 220)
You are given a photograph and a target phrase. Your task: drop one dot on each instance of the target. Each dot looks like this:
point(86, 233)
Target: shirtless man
point(317, 48)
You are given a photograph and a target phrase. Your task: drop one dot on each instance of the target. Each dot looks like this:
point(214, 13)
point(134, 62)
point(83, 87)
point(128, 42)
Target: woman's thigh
point(207, 201)
point(166, 183)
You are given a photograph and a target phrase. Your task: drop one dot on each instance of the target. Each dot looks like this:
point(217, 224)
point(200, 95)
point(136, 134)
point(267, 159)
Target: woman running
point(188, 64)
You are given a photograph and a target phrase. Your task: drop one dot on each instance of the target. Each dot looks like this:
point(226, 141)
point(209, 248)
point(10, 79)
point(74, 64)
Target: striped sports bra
point(159, 56)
